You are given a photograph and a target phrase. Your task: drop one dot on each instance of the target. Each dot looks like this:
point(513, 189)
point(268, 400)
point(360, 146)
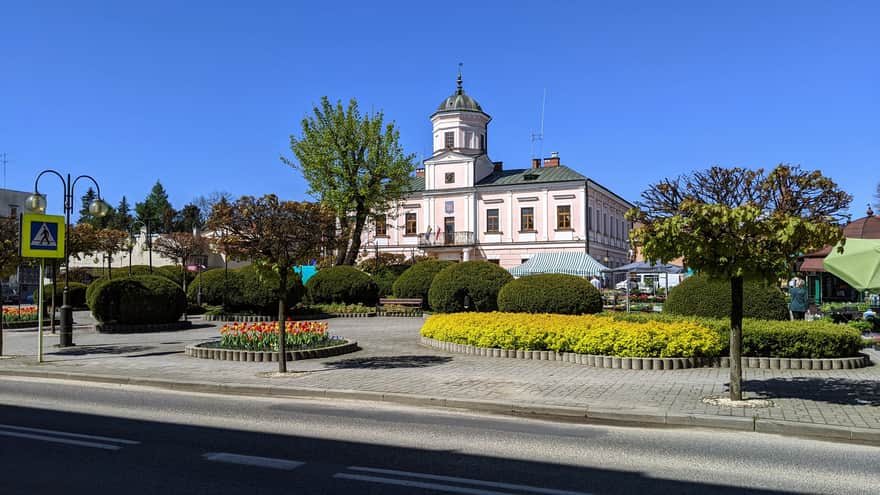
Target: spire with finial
point(459, 91)
point(870, 212)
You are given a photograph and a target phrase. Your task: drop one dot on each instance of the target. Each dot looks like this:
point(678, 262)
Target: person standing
point(596, 283)
point(799, 302)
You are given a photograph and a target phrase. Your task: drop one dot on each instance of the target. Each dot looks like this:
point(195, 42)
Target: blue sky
point(204, 95)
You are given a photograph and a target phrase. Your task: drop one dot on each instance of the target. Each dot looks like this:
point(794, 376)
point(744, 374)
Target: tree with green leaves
point(86, 217)
point(733, 223)
point(188, 218)
point(83, 241)
point(354, 165)
point(9, 257)
point(276, 236)
point(122, 218)
point(157, 210)
point(182, 246)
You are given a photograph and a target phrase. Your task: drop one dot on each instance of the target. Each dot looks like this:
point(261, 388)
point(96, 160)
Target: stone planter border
point(144, 328)
point(15, 325)
point(238, 318)
point(204, 352)
point(352, 315)
point(634, 363)
point(410, 313)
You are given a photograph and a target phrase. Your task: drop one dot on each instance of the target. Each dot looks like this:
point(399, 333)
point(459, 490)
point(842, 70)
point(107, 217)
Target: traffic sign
point(42, 236)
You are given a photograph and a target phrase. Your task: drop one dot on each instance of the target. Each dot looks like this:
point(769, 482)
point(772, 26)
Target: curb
point(636, 363)
point(203, 351)
point(585, 414)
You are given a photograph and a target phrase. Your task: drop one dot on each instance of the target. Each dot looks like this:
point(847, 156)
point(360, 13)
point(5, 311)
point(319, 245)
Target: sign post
point(42, 236)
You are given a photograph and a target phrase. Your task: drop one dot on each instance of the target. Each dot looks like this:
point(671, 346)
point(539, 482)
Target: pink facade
point(463, 206)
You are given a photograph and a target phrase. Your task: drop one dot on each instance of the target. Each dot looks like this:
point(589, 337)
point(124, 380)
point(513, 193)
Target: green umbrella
point(858, 264)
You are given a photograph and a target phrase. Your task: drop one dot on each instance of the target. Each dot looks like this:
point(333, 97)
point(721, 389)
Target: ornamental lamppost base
point(66, 333)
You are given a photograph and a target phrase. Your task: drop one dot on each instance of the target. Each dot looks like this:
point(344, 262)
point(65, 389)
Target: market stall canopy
point(580, 264)
point(858, 264)
point(645, 267)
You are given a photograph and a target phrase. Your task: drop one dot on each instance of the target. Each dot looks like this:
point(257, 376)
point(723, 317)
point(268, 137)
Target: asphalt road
point(70, 437)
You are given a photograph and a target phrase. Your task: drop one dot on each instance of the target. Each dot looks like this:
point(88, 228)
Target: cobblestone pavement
point(392, 361)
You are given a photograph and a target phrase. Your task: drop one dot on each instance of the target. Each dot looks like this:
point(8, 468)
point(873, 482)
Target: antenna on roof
point(539, 136)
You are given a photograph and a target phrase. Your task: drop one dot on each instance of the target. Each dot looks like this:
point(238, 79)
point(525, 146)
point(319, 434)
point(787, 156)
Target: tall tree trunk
point(282, 320)
point(355, 245)
point(736, 319)
point(342, 251)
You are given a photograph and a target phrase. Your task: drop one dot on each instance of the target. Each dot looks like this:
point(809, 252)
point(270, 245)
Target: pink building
point(463, 206)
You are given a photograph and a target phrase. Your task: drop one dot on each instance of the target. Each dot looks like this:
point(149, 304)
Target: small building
point(824, 286)
point(462, 205)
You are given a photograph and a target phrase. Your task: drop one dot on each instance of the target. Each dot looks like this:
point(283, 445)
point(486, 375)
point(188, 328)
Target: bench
point(401, 301)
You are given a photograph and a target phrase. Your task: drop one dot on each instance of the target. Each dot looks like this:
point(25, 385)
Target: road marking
point(449, 488)
point(64, 437)
point(250, 460)
point(67, 434)
point(68, 441)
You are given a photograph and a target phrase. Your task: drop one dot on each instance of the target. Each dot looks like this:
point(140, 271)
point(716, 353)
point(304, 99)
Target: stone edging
point(201, 351)
point(15, 325)
point(238, 318)
point(412, 313)
point(147, 327)
point(627, 363)
point(352, 315)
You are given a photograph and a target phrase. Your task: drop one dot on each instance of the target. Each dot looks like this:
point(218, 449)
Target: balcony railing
point(446, 239)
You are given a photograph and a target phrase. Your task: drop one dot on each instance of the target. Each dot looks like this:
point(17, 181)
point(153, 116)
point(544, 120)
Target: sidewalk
point(392, 366)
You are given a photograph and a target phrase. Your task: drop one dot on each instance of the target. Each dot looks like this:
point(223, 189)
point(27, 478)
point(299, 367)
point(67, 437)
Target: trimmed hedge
point(765, 338)
point(480, 281)
point(92, 289)
point(701, 296)
point(76, 295)
point(550, 293)
point(143, 299)
point(244, 291)
point(582, 334)
point(385, 278)
point(416, 280)
point(342, 284)
point(174, 273)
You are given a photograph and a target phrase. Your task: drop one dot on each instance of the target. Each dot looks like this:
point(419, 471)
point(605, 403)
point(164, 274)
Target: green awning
point(581, 264)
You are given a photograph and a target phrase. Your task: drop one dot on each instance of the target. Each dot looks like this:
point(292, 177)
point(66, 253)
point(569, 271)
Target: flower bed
point(582, 334)
point(263, 336)
point(11, 314)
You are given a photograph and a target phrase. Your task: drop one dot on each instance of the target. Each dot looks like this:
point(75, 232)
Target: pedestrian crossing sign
point(42, 236)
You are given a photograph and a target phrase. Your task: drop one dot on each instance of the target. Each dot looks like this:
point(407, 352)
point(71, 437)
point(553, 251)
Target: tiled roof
point(560, 173)
point(416, 184)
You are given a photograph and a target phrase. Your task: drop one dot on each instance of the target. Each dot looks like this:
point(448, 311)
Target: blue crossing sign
point(42, 236)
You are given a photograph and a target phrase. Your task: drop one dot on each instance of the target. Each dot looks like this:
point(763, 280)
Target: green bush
point(138, 300)
point(122, 271)
point(245, 291)
point(385, 278)
point(342, 284)
point(92, 289)
point(174, 273)
point(478, 281)
point(701, 296)
point(767, 338)
point(76, 295)
point(416, 280)
point(550, 293)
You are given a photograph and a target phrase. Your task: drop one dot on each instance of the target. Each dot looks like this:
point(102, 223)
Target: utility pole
point(4, 161)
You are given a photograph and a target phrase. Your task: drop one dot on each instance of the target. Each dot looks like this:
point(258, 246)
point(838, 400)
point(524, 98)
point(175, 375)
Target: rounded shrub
point(174, 273)
point(244, 290)
point(477, 281)
point(122, 271)
point(550, 293)
point(92, 289)
point(76, 295)
point(138, 300)
point(416, 280)
point(700, 295)
point(342, 284)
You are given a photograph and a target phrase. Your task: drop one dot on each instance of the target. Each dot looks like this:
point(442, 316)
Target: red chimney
point(420, 172)
point(536, 163)
point(499, 166)
point(553, 161)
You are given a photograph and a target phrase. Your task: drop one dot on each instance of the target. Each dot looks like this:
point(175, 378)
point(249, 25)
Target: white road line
point(66, 434)
point(249, 460)
point(468, 481)
point(418, 484)
point(45, 438)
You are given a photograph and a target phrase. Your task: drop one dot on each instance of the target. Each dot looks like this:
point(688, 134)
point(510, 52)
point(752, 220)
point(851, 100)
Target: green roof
point(560, 173)
point(416, 184)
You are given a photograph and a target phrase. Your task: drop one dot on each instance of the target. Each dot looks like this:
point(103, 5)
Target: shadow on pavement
point(829, 390)
point(154, 354)
point(85, 350)
point(388, 362)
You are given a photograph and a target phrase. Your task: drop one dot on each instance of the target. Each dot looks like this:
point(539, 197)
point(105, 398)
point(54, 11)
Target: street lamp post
point(37, 203)
point(149, 242)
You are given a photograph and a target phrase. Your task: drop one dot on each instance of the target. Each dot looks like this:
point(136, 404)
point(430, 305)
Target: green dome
point(459, 101)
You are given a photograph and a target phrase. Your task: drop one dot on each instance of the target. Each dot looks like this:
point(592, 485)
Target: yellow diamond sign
point(42, 236)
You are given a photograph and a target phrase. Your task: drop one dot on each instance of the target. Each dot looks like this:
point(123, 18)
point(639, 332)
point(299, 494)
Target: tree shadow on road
point(389, 362)
point(829, 390)
point(85, 350)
